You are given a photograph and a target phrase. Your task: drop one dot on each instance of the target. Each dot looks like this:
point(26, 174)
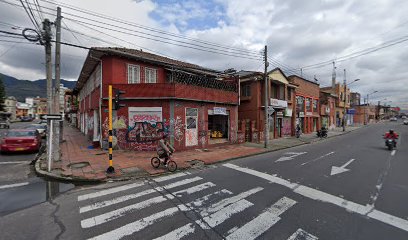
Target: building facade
point(342, 104)
point(307, 104)
point(327, 109)
point(280, 102)
point(10, 106)
point(196, 106)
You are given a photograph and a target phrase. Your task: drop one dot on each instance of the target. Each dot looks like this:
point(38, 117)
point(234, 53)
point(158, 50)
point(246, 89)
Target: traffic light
point(117, 99)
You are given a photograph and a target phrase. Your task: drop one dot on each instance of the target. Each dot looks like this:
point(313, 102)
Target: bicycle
point(157, 161)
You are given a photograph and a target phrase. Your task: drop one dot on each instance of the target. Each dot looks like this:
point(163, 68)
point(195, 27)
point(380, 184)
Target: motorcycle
point(322, 133)
point(298, 132)
point(390, 143)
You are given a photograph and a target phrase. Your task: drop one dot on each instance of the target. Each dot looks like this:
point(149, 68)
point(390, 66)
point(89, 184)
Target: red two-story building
point(307, 104)
point(196, 106)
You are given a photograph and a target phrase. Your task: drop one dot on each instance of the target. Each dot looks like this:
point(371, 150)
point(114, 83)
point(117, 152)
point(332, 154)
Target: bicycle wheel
point(171, 166)
point(155, 162)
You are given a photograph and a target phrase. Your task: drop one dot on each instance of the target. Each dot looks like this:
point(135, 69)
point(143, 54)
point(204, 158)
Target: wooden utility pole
point(266, 100)
point(345, 100)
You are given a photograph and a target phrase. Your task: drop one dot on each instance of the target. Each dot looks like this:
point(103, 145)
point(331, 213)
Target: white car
point(393, 119)
point(405, 122)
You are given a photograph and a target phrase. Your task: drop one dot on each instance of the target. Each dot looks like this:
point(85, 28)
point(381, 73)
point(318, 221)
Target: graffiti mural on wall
point(178, 128)
point(233, 133)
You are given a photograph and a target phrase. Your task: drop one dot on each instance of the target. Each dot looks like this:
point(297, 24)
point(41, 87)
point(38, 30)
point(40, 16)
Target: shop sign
point(279, 114)
point(278, 103)
point(301, 114)
point(309, 114)
point(220, 111)
point(351, 111)
point(288, 112)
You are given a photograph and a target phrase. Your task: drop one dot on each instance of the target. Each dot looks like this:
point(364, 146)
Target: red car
point(21, 140)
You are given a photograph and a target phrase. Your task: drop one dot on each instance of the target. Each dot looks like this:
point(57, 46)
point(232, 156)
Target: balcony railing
point(174, 91)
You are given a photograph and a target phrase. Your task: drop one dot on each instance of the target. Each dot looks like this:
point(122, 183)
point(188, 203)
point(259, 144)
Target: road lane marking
point(393, 152)
point(172, 176)
point(336, 170)
point(318, 195)
point(263, 222)
point(301, 234)
point(199, 202)
point(13, 185)
point(14, 162)
point(292, 156)
point(314, 160)
point(136, 226)
point(109, 191)
point(179, 233)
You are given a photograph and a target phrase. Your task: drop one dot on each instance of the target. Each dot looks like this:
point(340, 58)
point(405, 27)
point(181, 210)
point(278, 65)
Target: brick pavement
point(94, 162)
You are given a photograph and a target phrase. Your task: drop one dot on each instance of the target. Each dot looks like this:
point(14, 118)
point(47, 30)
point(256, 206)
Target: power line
point(200, 48)
point(33, 20)
point(103, 16)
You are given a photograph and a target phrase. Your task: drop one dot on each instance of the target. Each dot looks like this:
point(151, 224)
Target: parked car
point(404, 117)
point(393, 119)
point(26, 119)
point(21, 140)
point(405, 122)
point(41, 128)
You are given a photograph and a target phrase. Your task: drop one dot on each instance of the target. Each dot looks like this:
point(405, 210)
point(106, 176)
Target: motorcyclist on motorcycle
point(391, 135)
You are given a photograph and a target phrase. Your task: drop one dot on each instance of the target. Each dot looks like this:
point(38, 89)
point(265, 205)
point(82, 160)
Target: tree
point(2, 94)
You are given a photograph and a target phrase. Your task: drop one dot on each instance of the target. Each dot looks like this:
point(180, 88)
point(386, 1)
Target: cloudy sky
point(368, 38)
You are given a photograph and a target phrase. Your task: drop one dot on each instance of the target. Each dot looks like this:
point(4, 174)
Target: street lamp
point(345, 98)
point(368, 104)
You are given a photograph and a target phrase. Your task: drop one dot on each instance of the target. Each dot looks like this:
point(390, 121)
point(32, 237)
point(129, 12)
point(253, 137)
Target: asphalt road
point(347, 187)
point(19, 186)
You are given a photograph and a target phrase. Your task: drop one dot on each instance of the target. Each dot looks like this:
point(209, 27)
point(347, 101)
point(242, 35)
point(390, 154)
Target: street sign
point(270, 112)
point(51, 117)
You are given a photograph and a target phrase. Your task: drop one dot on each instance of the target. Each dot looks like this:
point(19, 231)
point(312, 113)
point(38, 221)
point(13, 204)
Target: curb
point(51, 175)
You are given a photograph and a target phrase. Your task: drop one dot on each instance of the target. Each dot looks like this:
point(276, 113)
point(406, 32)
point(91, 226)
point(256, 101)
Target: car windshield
point(20, 133)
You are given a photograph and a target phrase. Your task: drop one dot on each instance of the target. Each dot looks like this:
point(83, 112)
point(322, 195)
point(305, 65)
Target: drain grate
point(196, 163)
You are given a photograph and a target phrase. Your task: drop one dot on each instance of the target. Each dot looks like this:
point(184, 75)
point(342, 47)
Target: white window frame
point(131, 73)
point(147, 76)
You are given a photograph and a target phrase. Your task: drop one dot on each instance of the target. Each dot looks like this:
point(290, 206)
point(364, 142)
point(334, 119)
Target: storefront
point(287, 122)
point(277, 124)
point(218, 125)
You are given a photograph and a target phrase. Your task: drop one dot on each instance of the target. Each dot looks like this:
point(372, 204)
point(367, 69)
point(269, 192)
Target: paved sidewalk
point(79, 163)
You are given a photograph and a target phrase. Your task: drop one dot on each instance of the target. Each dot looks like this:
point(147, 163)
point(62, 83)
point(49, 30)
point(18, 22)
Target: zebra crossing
point(165, 198)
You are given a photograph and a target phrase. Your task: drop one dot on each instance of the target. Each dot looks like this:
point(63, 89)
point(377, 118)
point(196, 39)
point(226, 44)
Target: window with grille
point(133, 74)
point(150, 75)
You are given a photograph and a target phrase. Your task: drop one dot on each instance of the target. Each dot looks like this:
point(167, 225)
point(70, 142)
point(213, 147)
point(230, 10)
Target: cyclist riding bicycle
point(164, 149)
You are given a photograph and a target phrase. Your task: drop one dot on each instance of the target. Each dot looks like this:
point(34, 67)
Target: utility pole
point(266, 132)
point(365, 110)
point(48, 67)
point(57, 136)
point(345, 100)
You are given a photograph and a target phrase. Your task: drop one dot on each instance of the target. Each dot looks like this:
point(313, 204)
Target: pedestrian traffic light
point(117, 99)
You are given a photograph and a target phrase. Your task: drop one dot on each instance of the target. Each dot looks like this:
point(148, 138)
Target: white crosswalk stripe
point(263, 222)
point(108, 191)
point(125, 198)
point(212, 208)
point(301, 234)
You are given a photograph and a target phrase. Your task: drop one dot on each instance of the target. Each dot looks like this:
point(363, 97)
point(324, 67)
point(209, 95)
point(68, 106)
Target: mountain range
point(20, 89)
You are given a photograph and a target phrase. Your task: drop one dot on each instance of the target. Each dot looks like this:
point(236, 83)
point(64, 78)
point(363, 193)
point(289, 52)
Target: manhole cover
point(196, 163)
point(130, 170)
point(79, 165)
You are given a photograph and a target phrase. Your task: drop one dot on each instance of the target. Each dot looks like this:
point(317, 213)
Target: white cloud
point(298, 33)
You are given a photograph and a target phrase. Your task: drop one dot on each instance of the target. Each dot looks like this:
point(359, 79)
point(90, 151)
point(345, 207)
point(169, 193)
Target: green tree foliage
point(2, 94)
